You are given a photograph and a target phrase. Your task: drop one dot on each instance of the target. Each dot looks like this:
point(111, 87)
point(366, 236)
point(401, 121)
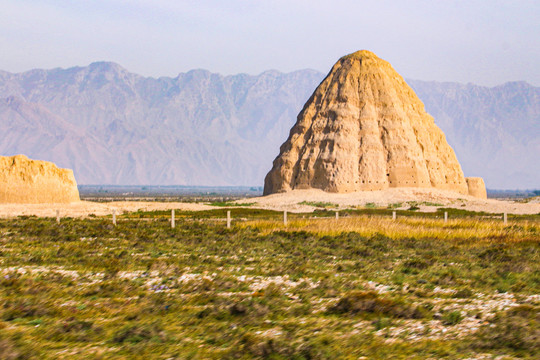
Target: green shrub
point(10, 351)
point(417, 263)
point(73, 330)
point(319, 204)
point(229, 204)
point(358, 302)
point(516, 329)
point(135, 333)
point(452, 318)
point(463, 293)
point(24, 308)
point(382, 323)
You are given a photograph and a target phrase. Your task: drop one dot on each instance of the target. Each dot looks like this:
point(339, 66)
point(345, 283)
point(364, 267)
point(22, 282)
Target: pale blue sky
point(486, 42)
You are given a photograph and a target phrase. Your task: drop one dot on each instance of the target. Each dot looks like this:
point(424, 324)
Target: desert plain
point(294, 201)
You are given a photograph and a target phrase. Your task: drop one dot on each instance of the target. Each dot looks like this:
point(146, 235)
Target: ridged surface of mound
point(26, 181)
point(363, 129)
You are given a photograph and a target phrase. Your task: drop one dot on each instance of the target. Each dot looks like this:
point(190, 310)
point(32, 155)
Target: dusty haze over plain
point(486, 42)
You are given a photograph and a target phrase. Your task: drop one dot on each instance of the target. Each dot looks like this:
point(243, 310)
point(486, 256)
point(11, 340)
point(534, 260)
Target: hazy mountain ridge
point(199, 128)
point(494, 131)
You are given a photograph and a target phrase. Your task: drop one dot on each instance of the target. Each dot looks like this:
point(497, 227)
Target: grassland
point(363, 286)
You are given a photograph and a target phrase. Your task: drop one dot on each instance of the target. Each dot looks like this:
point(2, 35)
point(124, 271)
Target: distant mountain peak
point(106, 66)
point(271, 72)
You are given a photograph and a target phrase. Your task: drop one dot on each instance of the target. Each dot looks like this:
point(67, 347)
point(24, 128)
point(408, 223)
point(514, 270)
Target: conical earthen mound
point(364, 128)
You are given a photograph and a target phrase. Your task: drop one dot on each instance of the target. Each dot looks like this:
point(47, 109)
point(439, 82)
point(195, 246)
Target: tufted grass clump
point(369, 302)
point(452, 318)
point(516, 329)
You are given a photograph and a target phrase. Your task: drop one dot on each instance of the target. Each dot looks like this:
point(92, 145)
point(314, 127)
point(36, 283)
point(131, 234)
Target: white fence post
point(505, 218)
point(114, 217)
point(393, 215)
point(228, 219)
point(285, 217)
point(58, 216)
point(337, 215)
point(445, 216)
point(173, 224)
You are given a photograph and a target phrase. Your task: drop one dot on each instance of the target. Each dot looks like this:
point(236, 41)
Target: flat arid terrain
point(426, 199)
point(294, 201)
point(361, 286)
point(88, 208)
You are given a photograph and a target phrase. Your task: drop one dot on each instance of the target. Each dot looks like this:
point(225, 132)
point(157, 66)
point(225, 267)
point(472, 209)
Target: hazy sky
point(484, 41)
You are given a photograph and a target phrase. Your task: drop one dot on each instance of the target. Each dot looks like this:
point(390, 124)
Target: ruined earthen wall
point(476, 187)
point(32, 181)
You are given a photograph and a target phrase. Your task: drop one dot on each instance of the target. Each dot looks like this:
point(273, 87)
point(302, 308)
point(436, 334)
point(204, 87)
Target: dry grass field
point(417, 227)
point(364, 286)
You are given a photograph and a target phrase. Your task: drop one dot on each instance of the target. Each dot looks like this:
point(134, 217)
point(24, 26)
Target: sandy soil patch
point(85, 208)
point(427, 199)
point(293, 201)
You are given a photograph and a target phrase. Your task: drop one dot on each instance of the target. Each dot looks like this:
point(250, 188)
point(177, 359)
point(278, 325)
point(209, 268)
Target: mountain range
point(112, 126)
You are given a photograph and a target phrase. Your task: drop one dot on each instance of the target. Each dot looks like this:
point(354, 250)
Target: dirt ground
point(426, 199)
point(85, 208)
point(293, 201)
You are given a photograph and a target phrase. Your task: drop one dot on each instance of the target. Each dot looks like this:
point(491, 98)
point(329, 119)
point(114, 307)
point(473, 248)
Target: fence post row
point(173, 219)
